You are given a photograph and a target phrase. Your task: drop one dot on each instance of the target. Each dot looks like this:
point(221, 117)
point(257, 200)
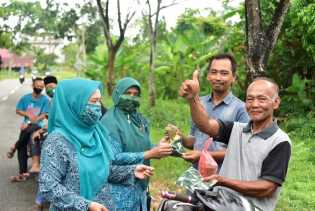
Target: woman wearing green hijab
point(76, 156)
point(131, 143)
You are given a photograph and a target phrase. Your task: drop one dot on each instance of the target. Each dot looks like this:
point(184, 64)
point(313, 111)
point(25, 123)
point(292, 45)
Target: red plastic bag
point(207, 165)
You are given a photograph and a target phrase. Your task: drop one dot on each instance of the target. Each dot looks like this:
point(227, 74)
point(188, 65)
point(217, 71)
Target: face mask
point(128, 103)
point(50, 92)
point(37, 90)
point(91, 114)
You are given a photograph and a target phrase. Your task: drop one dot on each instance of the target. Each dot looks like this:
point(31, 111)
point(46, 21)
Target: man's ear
point(276, 103)
point(234, 78)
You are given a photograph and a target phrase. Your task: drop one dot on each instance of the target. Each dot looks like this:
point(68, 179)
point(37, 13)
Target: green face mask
point(128, 103)
point(50, 92)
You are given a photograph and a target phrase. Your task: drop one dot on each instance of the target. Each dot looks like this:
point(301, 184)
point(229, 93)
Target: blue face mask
point(91, 114)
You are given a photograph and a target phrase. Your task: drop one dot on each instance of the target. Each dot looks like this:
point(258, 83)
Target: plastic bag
point(207, 165)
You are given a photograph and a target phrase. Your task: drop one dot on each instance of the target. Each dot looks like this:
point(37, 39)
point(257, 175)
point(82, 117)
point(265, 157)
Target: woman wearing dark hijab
point(131, 143)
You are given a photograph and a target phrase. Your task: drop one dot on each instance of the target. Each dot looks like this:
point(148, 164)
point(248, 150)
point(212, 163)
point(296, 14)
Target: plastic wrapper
point(171, 132)
point(192, 180)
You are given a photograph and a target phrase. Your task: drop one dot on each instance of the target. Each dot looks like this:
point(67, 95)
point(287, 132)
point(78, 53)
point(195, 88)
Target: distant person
point(76, 156)
point(22, 75)
point(33, 108)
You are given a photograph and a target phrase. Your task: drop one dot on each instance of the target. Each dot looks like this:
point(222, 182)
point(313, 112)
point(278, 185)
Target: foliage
point(96, 63)
point(70, 52)
point(294, 52)
point(5, 39)
point(298, 191)
point(298, 96)
point(43, 60)
point(6, 74)
point(166, 112)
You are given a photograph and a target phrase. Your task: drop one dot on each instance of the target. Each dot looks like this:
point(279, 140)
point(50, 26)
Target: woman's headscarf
point(130, 127)
point(90, 141)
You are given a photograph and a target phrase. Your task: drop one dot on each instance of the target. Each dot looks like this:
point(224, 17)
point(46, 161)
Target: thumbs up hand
point(190, 88)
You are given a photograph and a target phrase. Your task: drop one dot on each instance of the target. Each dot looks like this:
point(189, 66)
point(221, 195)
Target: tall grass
point(6, 74)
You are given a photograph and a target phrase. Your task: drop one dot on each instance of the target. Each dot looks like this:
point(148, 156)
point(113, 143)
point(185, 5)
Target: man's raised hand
point(190, 88)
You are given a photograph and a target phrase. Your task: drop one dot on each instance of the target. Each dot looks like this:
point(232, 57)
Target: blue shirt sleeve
point(242, 115)
point(124, 158)
point(122, 174)
point(21, 104)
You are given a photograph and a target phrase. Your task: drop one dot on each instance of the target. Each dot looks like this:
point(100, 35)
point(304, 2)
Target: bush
point(298, 97)
point(167, 111)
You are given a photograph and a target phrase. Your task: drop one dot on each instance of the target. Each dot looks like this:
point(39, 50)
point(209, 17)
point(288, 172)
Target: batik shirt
point(59, 180)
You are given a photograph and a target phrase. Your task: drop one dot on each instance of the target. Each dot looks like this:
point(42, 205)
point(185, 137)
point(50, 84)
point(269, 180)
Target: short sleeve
point(275, 165)
point(21, 104)
point(224, 131)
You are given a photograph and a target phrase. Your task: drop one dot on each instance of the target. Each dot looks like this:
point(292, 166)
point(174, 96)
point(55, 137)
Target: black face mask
point(37, 90)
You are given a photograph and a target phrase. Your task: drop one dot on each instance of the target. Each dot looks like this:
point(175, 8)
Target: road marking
point(4, 98)
point(11, 93)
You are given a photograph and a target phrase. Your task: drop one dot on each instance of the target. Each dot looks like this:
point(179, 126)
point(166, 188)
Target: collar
point(227, 99)
point(265, 133)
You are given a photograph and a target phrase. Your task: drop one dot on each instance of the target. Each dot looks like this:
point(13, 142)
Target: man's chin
point(220, 90)
point(255, 118)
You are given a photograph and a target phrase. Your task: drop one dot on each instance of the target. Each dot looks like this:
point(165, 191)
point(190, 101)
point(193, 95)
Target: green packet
point(178, 148)
point(192, 180)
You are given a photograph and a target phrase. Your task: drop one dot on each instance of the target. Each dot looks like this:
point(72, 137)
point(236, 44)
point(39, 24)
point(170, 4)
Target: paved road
point(13, 196)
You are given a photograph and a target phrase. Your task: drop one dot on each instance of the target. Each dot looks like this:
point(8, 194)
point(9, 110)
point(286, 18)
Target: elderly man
point(258, 152)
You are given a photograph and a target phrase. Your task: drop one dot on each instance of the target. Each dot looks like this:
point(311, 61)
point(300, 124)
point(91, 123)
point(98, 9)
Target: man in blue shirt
point(38, 136)
point(220, 104)
point(33, 108)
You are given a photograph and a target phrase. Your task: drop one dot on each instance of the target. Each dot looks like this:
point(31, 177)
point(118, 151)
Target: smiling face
point(261, 100)
point(220, 75)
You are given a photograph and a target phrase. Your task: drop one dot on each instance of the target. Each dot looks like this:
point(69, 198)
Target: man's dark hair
point(224, 56)
point(37, 79)
point(50, 79)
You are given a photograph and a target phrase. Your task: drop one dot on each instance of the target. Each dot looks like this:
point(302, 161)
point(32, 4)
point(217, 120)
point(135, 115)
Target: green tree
point(262, 37)
point(113, 43)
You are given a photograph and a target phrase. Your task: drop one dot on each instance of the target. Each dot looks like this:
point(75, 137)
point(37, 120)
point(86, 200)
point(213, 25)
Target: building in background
point(10, 60)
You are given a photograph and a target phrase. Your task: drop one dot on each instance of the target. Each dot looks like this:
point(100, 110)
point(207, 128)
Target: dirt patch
point(156, 187)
